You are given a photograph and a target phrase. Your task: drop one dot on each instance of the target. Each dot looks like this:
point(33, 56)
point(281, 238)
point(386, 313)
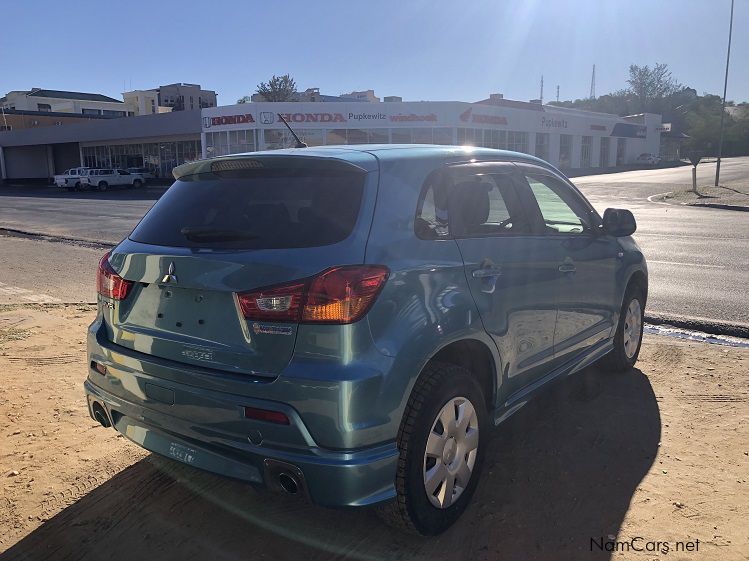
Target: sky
point(416, 49)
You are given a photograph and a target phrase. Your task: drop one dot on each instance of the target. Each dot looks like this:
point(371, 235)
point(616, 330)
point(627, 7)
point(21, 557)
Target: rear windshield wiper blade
point(202, 234)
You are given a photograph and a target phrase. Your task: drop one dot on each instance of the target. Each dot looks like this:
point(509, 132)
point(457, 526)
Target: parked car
point(70, 179)
point(648, 159)
point(347, 323)
point(102, 179)
point(146, 173)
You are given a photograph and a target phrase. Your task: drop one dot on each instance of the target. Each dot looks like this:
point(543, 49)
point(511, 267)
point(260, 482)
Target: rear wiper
point(203, 234)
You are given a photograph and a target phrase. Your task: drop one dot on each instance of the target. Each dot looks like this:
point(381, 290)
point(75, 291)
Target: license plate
point(182, 453)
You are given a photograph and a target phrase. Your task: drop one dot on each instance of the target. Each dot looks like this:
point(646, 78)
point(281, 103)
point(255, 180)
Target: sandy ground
point(659, 453)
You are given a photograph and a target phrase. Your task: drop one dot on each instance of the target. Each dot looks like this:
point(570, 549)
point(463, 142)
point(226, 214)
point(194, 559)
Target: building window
point(542, 145)
point(470, 137)
point(90, 111)
point(422, 135)
point(565, 150)
point(604, 159)
point(517, 141)
point(495, 139)
point(43, 107)
point(621, 151)
point(585, 149)
point(399, 136)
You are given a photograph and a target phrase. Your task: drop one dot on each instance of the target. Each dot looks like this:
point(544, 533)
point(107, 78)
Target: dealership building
point(567, 138)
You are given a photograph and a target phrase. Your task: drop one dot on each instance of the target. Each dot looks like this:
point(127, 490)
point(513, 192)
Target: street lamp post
point(723, 106)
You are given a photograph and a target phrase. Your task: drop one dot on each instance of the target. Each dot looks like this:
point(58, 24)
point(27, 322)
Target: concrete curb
point(700, 324)
point(55, 238)
point(719, 206)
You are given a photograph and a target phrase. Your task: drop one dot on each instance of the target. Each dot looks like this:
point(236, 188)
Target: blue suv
point(347, 323)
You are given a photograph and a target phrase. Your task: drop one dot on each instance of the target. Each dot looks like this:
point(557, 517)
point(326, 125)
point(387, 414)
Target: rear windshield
point(262, 209)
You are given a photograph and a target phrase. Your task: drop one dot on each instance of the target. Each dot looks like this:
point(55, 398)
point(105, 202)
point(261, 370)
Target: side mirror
point(619, 222)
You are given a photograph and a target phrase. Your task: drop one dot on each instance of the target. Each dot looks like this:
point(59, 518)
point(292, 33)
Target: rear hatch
point(246, 223)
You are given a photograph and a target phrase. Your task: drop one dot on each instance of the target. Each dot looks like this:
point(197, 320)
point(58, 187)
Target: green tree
point(244, 99)
point(648, 85)
point(278, 88)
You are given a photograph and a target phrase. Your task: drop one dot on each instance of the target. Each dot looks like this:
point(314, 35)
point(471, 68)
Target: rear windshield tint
point(262, 209)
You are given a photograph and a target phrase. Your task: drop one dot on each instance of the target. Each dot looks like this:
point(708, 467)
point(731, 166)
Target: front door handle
point(567, 268)
point(486, 272)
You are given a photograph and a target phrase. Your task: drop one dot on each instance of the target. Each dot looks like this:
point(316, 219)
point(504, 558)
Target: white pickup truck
point(72, 179)
point(103, 179)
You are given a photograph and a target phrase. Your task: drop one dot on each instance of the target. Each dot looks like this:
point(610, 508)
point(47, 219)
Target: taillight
point(109, 283)
point(337, 295)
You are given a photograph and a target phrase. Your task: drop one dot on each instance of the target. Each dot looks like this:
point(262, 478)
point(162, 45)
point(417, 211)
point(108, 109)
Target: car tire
point(628, 337)
point(424, 505)
point(102, 186)
point(137, 184)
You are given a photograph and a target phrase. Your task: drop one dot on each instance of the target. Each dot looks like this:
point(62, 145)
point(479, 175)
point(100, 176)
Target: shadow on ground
point(560, 472)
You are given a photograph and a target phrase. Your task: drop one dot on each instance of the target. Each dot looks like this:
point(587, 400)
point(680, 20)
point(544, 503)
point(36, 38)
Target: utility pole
point(557, 93)
point(542, 90)
point(723, 106)
point(593, 84)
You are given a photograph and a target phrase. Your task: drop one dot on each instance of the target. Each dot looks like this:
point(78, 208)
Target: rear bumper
point(206, 428)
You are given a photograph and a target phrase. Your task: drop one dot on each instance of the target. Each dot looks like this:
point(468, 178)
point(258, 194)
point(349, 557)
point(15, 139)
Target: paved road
point(698, 257)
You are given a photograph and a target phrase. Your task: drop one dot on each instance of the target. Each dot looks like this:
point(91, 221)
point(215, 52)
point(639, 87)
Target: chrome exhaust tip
point(100, 415)
point(288, 483)
point(285, 478)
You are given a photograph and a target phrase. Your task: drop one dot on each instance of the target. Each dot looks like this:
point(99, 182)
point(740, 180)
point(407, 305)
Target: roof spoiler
point(247, 162)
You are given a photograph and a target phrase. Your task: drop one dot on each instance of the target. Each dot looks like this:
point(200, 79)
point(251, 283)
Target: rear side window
point(262, 209)
point(473, 205)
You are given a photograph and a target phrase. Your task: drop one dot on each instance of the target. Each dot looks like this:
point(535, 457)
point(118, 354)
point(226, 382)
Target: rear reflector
point(337, 295)
point(108, 283)
point(266, 415)
point(100, 368)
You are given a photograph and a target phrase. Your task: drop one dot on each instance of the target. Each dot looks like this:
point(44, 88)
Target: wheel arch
point(476, 357)
point(640, 279)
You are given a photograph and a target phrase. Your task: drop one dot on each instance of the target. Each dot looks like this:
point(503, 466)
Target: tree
point(244, 99)
point(278, 88)
point(650, 85)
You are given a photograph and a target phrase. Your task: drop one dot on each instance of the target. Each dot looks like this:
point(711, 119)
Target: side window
point(431, 213)
point(558, 216)
point(486, 204)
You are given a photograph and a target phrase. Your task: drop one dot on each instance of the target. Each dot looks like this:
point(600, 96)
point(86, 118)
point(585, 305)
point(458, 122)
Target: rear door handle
point(567, 268)
point(486, 272)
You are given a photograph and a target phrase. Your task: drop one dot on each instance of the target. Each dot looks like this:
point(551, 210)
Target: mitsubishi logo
point(170, 276)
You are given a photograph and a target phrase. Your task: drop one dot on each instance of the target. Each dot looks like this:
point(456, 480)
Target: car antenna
point(299, 143)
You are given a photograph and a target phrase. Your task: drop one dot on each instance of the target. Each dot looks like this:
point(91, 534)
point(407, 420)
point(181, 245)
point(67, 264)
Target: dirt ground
point(657, 454)
point(734, 196)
